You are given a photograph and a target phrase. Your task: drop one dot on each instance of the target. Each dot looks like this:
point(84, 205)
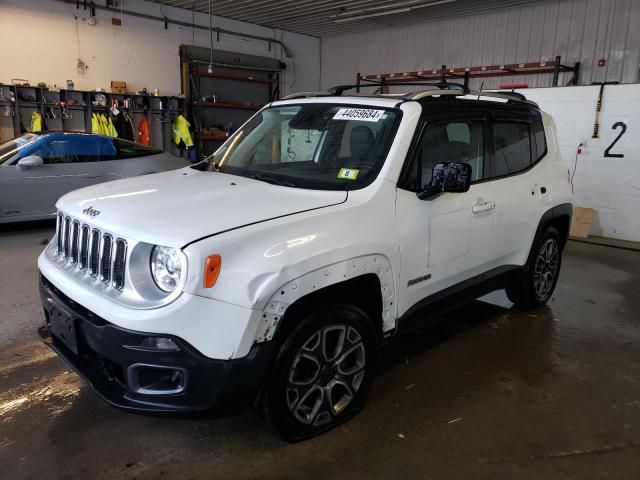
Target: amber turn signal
point(212, 270)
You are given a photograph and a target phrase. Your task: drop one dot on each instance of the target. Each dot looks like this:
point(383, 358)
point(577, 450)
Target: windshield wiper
point(271, 180)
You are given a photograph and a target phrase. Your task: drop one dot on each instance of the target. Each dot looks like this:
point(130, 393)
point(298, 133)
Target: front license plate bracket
point(63, 328)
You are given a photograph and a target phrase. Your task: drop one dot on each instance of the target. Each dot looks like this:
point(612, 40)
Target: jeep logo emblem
point(92, 212)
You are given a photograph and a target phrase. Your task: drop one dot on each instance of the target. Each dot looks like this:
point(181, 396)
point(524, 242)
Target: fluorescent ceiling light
point(370, 15)
point(372, 12)
point(395, 6)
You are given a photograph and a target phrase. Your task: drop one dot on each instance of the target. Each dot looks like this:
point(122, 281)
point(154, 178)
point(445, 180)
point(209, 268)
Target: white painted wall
point(609, 185)
point(38, 39)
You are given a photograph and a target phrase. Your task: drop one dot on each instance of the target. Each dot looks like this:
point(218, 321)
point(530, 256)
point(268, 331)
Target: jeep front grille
point(65, 234)
point(84, 247)
point(60, 237)
point(94, 259)
point(118, 263)
point(105, 258)
point(75, 230)
point(91, 251)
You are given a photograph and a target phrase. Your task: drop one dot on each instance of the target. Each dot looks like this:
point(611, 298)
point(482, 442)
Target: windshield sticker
point(348, 173)
point(362, 114)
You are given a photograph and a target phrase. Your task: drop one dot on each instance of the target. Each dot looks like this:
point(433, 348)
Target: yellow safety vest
point(95, 124)
point(180, 132)
point(36, 122)
point(111, 129)
point(105, 126)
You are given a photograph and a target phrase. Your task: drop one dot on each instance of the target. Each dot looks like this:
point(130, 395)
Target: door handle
point(483, 207)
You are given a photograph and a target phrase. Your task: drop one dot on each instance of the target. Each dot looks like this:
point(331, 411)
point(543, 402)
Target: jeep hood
point(177, 207)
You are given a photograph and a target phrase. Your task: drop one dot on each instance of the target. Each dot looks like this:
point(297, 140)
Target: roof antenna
point(481, 87)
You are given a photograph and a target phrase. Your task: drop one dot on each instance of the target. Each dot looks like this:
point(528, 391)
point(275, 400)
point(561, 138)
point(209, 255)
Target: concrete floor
point(488, 393)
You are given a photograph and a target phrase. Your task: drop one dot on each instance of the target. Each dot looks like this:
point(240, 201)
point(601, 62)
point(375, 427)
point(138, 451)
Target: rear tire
point(323, 373)
point(534, 285)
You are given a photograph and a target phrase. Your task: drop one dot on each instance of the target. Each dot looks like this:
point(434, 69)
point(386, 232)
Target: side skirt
point(451, 298)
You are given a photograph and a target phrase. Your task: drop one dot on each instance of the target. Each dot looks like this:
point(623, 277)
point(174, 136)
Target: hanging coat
point(95, 124)
point(123, 126)
point(111, 128)
point(104, 127)
point(131, 133)
point(143, 132)
point(180, 132)
point(36, 122)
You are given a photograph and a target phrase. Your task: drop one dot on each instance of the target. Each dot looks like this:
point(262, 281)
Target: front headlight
point(166, 268)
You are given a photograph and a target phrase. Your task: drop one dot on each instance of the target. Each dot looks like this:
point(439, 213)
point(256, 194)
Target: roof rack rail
point(510, 93)
point(443, 86)
point(440, 89)
point(457, 90)
point(306, 95)
point(510, 97)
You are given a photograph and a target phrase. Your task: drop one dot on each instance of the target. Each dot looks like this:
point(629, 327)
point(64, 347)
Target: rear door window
point(518, 141)
point(539, 139)
point(512, 141)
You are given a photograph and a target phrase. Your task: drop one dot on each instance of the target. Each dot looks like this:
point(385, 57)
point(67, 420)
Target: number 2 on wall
point(607, 152)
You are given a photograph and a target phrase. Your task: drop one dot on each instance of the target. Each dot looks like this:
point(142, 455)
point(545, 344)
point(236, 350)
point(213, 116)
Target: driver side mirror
point(30, 162)
point(447, 177)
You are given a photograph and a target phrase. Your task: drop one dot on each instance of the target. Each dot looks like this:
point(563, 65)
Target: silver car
point(35, 170)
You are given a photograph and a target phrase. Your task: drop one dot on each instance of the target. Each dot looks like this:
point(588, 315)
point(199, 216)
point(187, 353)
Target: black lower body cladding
point(133, 373)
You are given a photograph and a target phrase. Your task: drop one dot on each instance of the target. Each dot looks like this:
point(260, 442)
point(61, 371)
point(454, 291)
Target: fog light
point(156, 380)
point(160, 343)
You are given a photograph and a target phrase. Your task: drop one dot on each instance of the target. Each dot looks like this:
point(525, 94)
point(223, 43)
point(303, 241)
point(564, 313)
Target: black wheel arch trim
point(558, 212)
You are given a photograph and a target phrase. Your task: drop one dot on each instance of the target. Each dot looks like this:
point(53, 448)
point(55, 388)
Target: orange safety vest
point(143, 132)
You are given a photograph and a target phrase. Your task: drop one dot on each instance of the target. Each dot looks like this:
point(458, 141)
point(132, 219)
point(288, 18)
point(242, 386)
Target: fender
point(551, 215)
point(558, 213)
point(323, 277)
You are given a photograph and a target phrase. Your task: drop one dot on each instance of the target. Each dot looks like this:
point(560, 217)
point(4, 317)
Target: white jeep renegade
point(271, 273)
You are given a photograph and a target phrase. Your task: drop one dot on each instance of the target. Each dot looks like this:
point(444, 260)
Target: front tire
point(534, 286)
point(323, 373)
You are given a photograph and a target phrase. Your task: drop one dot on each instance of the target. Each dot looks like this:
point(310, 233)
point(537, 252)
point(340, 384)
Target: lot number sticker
point(348, 173)
point(362, 114)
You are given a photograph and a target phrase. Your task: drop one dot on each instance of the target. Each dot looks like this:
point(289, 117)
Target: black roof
point(451, 102)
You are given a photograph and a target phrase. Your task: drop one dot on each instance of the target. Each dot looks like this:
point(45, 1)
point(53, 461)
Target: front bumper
point(133, 376)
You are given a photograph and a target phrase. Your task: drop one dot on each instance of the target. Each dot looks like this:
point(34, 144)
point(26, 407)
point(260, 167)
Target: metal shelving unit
point(463, 74)
point(16, 108)
point(220, 101)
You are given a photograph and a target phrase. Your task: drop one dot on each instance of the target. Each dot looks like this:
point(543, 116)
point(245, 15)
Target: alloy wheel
point(326, 374)
point(546, 268)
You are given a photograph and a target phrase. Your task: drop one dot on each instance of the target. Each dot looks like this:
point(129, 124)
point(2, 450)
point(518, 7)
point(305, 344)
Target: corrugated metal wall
point(578, 30)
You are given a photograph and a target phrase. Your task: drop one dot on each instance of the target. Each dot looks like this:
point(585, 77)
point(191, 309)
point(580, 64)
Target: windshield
point(316, 145)
point(64, 147)
point(9, 149)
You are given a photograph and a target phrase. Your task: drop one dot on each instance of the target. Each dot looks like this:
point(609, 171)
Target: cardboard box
point(118, 87)
point(582, 220)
